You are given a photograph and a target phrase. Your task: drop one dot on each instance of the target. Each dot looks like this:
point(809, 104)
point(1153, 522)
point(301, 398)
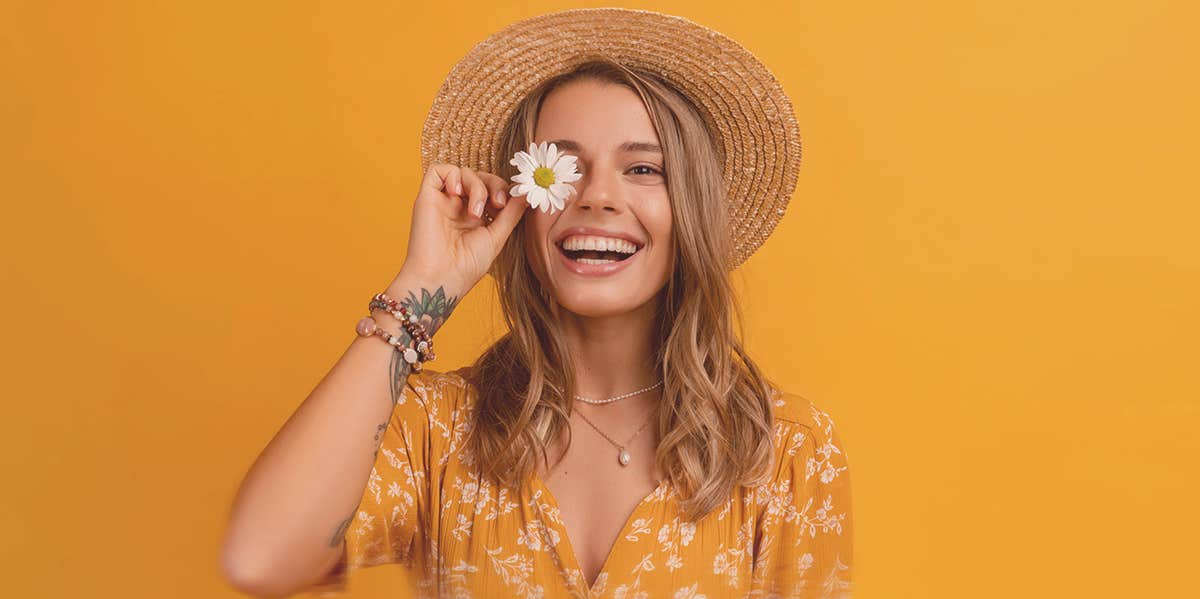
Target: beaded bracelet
point(423, 351)
point(407, 319)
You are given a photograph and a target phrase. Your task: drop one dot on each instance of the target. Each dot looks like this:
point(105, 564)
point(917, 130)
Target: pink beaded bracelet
point(423, 352)
point(410, 321)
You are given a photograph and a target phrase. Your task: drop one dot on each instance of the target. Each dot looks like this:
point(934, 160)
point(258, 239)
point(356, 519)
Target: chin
point(598, 309)
point(600, 296)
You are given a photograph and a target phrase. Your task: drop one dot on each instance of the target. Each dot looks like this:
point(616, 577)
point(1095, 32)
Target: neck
point(613, 354)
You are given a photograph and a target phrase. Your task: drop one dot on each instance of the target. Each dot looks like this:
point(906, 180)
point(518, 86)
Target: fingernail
point(500, 196)
point(477, 208)
point(458, 188)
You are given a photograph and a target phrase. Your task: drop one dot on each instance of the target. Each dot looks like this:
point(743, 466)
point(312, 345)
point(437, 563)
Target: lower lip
point(595, 270)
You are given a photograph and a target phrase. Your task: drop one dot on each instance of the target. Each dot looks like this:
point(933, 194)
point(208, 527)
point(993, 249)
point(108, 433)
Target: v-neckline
point(573, 559)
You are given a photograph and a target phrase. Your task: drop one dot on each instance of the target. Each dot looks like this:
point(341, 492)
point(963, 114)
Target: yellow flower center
point(543, 176)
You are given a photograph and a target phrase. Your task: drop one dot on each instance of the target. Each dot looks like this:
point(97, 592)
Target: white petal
point(525, 162)
point(565, 162)
point(563, 167)
point(523, 177)
point(562, 172)
point(520, 158)
point(541, 155)
point(537, 198)
point(551, 155)
point(519, 190)
point(571, 178)
point(547, 200)
point(556, 201)
point(561, 191)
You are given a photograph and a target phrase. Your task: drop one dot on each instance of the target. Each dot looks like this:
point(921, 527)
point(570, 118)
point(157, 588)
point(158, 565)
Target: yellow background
point(989, 272)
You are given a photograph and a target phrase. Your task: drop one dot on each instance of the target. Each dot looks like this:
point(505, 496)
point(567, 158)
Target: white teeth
point(594, 261)
point(603, 244)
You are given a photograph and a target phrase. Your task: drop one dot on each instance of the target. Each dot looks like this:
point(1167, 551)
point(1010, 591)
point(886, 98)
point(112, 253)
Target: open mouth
point(596, 256)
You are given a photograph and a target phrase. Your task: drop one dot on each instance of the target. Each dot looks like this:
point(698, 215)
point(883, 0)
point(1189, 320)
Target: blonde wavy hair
point(715, 422)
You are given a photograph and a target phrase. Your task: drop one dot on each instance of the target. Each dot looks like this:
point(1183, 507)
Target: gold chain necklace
point(623, 456)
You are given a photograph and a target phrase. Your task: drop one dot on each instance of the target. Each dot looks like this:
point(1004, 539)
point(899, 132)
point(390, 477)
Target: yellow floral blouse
point(464, 537)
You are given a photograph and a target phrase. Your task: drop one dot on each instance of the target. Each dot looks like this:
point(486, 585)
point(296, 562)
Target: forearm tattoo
point(431, 309)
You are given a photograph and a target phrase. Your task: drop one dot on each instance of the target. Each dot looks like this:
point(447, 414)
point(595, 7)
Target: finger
point(497, 189)
point(506, 218)
point(443, 178)
point(454, 183)
point(477, 192)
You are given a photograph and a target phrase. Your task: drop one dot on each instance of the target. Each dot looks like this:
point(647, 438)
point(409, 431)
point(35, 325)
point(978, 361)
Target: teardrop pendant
point(624, 458)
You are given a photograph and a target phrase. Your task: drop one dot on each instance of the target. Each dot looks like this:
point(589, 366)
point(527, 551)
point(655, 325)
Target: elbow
point(270, 574)
point(251, 573)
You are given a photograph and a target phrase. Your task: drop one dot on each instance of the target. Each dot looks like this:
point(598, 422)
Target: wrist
point(430, 300)
point(417, 279)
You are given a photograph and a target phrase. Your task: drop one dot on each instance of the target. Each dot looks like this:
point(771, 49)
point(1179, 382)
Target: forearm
point(291, 512)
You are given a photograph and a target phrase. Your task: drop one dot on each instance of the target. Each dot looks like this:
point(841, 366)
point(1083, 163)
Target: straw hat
point(742, 102)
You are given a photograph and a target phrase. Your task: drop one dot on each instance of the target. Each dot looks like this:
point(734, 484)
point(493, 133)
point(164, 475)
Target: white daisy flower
point(545, 178)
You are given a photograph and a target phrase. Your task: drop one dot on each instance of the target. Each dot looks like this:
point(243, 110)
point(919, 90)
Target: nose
point(599, 192)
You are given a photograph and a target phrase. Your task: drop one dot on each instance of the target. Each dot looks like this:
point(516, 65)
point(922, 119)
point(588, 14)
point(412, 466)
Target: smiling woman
point(618, 440)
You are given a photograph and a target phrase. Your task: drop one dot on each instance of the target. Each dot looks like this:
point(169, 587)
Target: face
point(621, 199)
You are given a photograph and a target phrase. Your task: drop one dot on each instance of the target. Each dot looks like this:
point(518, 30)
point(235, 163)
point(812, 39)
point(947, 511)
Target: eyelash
point(653, 170)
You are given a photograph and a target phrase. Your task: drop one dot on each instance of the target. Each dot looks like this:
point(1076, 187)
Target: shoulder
point(804, 428)
point(439, 394)
point(432, 399)
point(797, 410)
point(803, 518)
point(435, 405)
point(429, 379)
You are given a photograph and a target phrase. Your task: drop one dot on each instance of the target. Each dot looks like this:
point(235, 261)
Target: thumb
point(506, 220)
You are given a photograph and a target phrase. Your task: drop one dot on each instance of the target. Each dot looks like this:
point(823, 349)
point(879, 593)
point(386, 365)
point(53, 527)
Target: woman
point(618, 441)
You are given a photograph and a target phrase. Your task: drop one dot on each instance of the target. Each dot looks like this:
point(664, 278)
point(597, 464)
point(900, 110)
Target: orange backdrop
point(988, 274)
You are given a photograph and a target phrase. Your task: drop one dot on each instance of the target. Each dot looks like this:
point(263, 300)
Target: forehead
point(598, 115)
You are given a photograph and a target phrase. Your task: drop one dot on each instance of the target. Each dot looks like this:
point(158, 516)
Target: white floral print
point(463, 536)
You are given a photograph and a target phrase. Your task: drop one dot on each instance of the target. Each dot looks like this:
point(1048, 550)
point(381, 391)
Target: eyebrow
point(570, 145)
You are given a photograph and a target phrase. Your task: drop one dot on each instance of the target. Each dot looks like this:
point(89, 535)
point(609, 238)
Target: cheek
point(659, 221)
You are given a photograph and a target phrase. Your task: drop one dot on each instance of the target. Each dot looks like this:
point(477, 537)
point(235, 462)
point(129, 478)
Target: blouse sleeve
point(804, 540)
point(395, 502)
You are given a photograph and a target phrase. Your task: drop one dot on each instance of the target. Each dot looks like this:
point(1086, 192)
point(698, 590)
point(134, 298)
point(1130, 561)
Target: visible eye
point(648, 170)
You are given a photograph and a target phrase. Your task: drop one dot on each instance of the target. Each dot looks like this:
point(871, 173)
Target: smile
point(588, 259)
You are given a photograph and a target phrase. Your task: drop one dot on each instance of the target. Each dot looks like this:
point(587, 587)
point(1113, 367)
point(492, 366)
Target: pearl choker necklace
point(612, 399)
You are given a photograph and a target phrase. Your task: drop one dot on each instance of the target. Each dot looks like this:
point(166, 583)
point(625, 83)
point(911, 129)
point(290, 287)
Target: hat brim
point(742, 102)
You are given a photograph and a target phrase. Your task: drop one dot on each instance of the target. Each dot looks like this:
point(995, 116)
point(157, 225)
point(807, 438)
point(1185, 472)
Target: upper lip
point(599, 233)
